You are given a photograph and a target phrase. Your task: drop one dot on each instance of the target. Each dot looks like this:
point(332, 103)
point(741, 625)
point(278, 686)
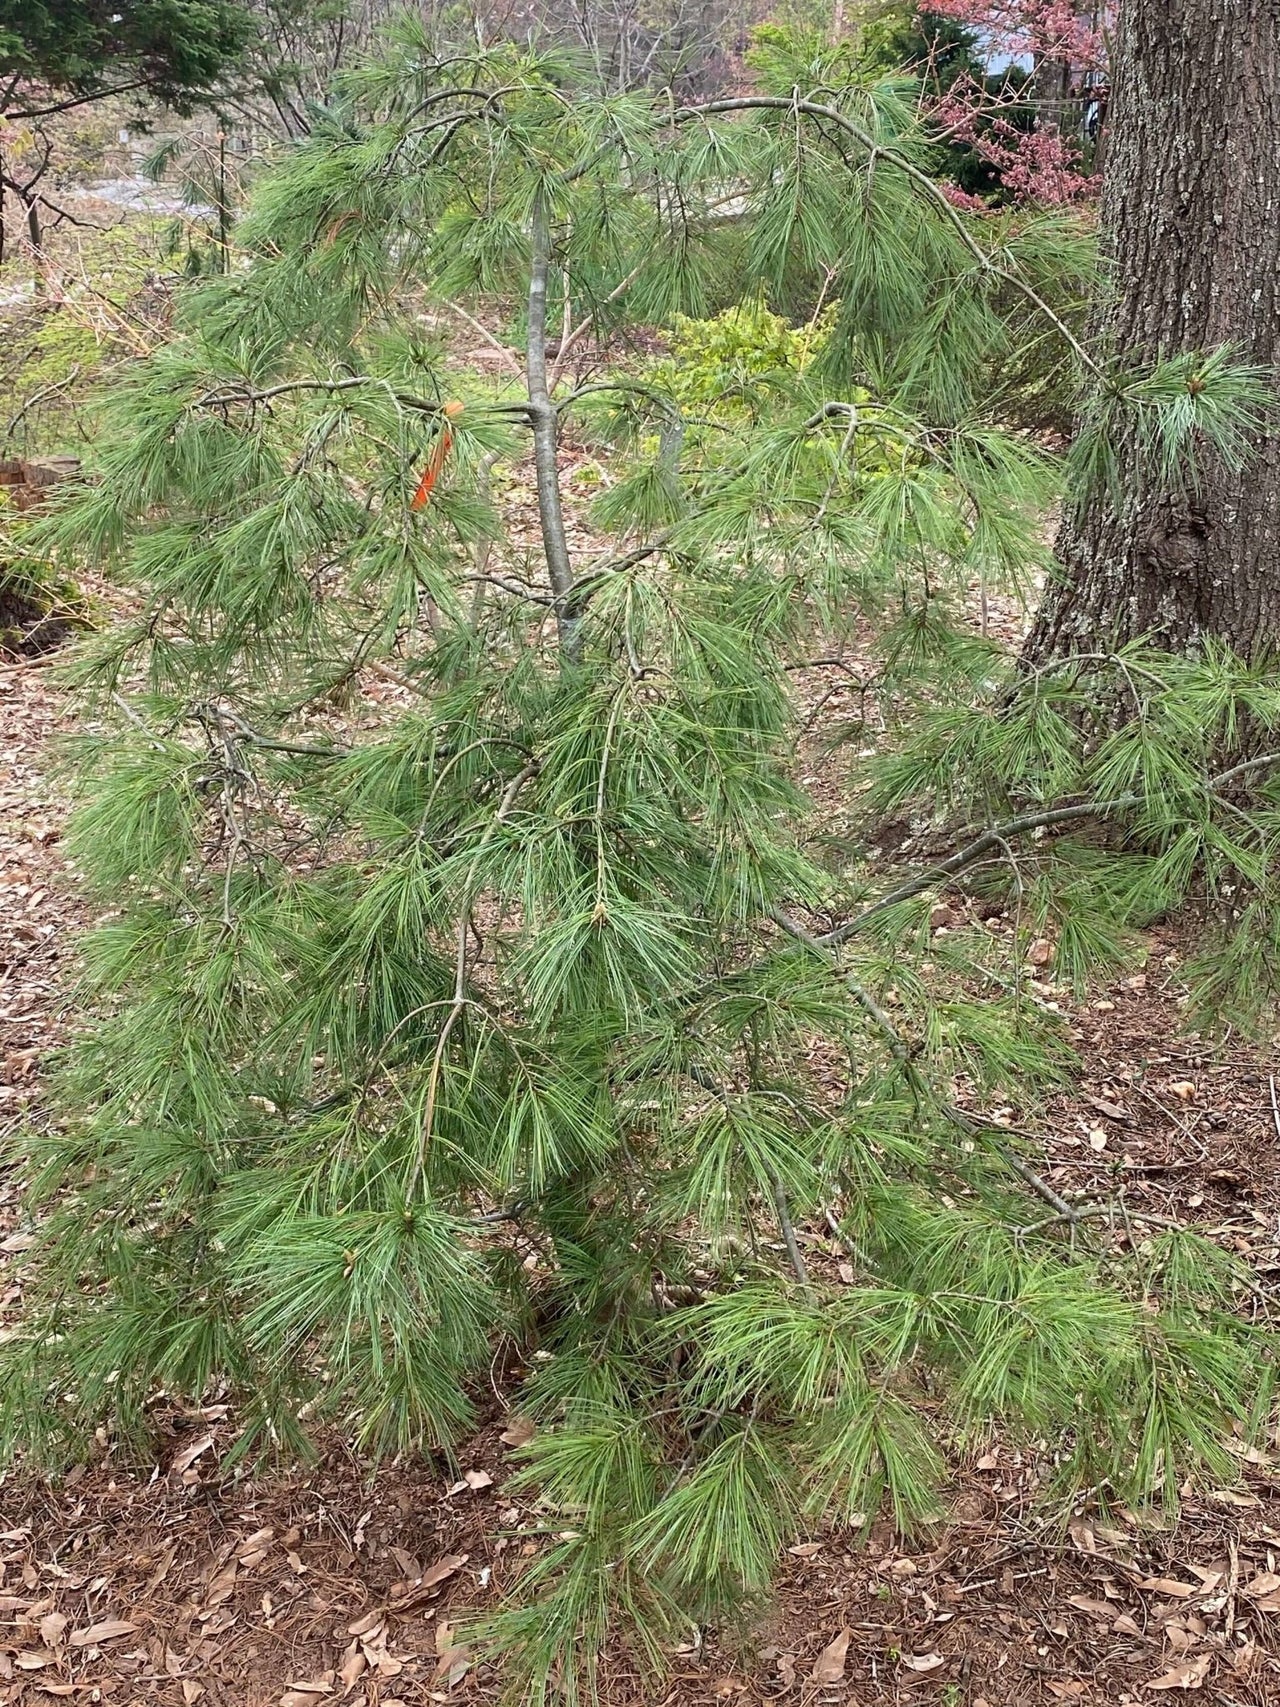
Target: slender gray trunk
point(546, 434)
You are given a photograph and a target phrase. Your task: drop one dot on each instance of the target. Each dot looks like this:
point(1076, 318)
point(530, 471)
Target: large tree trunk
point(1191, 222)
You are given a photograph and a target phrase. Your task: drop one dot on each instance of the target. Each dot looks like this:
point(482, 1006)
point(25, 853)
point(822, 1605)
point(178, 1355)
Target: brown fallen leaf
point(1190, 1674)
point(254, 1548)
point(428, 1582)
point(806, 1549)
point(1096, 1608)
point(52, 1626)
point(1244, 1658)
point(477, 1479)
point(1068, 1689)
point(220, 1588)
point(108, 1631)
point(923, 1662)
point(452, 1666)
point(307, 1691)
point(1209, 1577)
point(829, 1665)
point(1126, 1626)
point(367, 1625)
point(519, 1432)
point(353, 1667)
point(191, 1690)
point(1267, 1583)
point(442, 1570)
point(33, 1659)
point(187, 1457)
point(161, 1571)
point(1112, 1110)
point(1167, 1585)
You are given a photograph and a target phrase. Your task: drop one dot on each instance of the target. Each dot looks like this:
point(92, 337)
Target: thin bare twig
point(1014, 827)
point(585, 324)
point(460, 999)
point(898, 1046)
point(902, 1052)
point(783, 1211)
point(224, 398)
point(40, 396)
point(484, 332)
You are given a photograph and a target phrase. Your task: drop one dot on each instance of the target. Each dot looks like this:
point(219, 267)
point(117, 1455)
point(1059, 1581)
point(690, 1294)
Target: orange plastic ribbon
point(444, 444)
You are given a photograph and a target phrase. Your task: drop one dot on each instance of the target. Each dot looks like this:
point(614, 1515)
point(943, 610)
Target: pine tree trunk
point(1191, 222)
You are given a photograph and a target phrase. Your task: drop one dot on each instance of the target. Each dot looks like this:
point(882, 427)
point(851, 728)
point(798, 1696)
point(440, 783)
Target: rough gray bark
point(1191, 222)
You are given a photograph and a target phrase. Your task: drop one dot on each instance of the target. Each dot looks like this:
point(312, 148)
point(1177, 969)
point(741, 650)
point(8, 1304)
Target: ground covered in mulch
point(181, 1582)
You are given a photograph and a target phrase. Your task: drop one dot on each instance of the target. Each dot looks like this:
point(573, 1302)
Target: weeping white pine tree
point(540, 1013)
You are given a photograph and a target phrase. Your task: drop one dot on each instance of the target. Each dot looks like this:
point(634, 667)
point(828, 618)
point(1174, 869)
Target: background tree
point(630, 43)
point(294, 52)
point(59, 54)
point(1192, 233)
point(80, 50)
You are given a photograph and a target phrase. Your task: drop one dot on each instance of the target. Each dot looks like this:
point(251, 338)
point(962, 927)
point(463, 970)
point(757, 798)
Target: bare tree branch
point(1014, 827)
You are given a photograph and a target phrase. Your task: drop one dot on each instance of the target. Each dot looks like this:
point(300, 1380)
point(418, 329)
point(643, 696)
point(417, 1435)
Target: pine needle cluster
point(536, 1013)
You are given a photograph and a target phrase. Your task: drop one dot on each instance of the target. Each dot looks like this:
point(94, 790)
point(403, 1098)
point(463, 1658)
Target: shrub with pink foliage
point(1052, 29)
point(1040, 165)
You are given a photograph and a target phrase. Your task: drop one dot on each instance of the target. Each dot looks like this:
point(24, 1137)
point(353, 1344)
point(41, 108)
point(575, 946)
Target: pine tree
point(538, 1012)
